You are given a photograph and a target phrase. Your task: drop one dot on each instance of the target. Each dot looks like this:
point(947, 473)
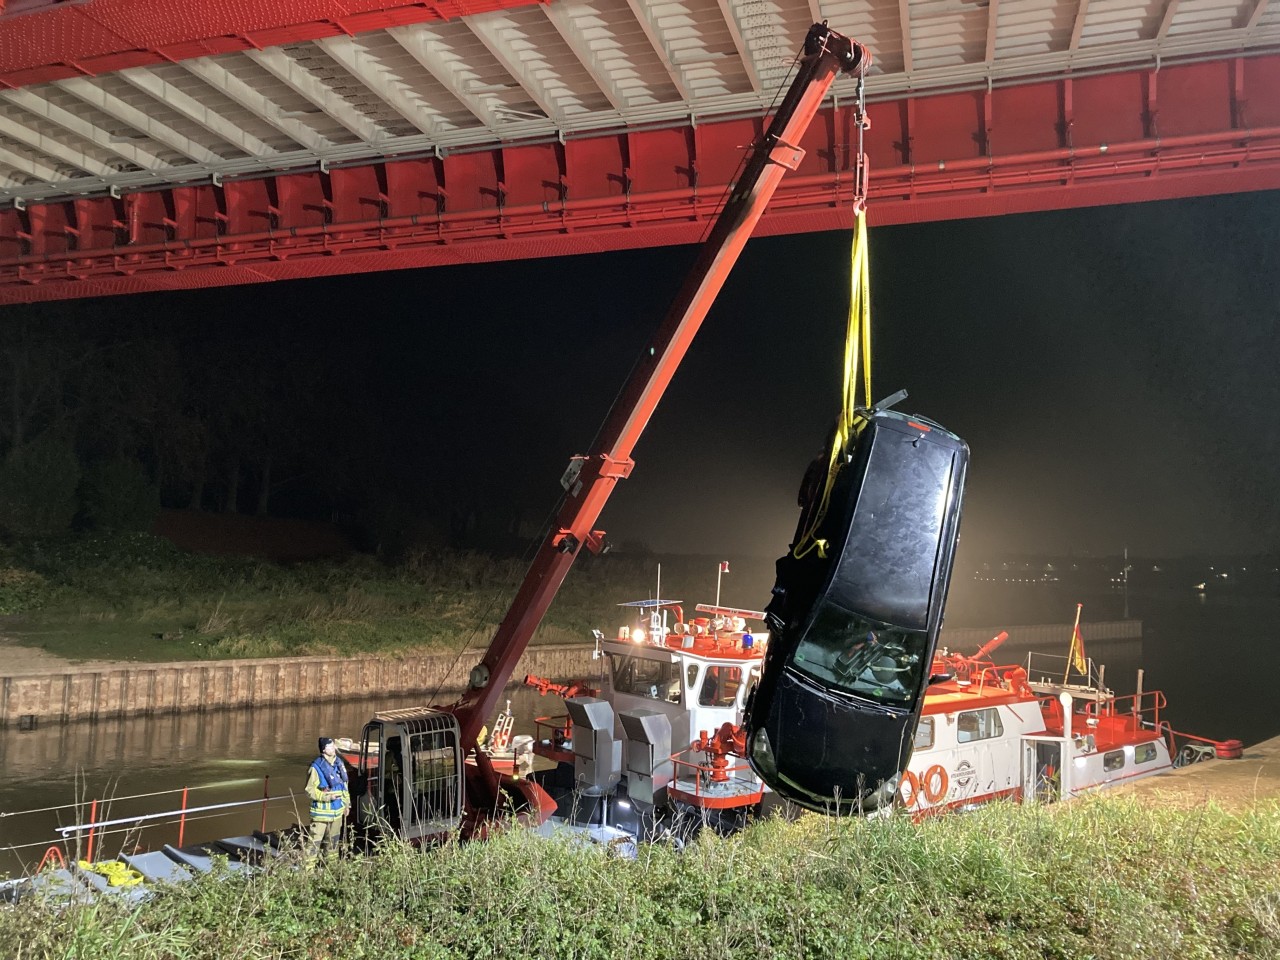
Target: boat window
point(1113, 760)
point(1145, 753)
point(979, 725)
point(852, 654)
point(691, 676)
point(720, 686)
point(642, 677)
point(924, 734)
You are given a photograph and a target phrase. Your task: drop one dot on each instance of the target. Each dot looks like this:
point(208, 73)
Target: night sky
point(1115, 371)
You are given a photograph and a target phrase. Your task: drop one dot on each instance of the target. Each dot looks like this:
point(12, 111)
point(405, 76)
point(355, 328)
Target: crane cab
point(411, 769)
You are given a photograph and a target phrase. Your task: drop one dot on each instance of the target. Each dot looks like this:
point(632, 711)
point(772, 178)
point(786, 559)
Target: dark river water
point(1206, 653)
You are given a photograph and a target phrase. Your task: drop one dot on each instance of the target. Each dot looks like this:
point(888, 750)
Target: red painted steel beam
point(42, 41)
point(1043, 146)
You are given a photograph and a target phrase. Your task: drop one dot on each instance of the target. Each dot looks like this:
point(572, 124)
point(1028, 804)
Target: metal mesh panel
point(436, 771)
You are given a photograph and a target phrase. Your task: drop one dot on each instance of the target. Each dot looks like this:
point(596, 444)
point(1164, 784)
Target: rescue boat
point(1045, 730)
point(1028, 733)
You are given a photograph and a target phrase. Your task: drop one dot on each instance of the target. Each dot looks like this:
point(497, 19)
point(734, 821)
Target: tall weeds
point(1102, 878)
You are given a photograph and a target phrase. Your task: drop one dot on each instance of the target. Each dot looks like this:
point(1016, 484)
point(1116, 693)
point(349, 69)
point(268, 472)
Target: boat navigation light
point(637, 635)
point(748, 641)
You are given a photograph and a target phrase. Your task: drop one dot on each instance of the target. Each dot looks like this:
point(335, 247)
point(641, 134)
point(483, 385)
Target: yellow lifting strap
point(857, 348)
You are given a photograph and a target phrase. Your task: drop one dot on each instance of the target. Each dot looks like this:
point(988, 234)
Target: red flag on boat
point(724, 566)
point(1077, 646)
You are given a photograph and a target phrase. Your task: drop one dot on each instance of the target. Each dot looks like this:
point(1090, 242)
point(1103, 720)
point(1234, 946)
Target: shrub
point(21, 590)
point(38, 488)
point(118, 495)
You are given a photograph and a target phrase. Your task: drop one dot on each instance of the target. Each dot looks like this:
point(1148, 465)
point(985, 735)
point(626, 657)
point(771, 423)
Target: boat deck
point(167, 865)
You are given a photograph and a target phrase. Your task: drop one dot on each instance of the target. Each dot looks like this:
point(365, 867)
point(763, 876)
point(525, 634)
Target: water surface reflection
point(224, 756)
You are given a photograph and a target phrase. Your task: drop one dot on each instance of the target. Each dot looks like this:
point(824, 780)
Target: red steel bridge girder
point(53, 41)
point(1050, 145)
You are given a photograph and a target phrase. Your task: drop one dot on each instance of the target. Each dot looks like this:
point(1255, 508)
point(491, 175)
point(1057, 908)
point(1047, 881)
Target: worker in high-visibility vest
point(330, 801)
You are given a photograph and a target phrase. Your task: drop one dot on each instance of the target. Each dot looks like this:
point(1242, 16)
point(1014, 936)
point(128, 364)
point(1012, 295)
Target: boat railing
point(1137, 710)
point(556, 730)
point(1057, 669)
point(89, 836)
point(709, 775)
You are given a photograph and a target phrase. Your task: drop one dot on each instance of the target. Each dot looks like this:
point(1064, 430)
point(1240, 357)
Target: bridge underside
point(1192, 129)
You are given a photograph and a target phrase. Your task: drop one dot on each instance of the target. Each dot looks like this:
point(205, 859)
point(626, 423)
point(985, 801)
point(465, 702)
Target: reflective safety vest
point(329, 776)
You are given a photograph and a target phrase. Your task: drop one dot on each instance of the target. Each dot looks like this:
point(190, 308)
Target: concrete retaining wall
point(86, 693)
point(1049, 637)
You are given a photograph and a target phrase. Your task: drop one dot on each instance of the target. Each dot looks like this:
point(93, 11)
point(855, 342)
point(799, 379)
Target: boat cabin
point(697, 672)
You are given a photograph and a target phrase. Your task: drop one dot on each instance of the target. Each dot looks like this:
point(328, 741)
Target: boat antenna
point(655, 618)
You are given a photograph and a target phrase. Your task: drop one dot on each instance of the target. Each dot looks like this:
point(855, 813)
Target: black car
point(855, 616)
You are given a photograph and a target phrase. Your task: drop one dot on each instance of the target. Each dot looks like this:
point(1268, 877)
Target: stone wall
point(1050, 637)
point(87, 693)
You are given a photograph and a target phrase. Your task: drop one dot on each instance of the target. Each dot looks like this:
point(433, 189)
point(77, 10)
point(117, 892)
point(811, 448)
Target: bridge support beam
point(1037, 146)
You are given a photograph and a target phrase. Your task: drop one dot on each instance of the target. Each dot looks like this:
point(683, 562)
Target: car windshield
point(852, 654)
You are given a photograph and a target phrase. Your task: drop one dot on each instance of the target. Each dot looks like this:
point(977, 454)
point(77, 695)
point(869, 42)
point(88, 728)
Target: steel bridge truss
point(1174, 131)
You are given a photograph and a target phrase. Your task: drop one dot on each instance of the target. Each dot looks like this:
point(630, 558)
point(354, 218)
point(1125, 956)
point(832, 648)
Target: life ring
point(935, 783)
point(909, 789)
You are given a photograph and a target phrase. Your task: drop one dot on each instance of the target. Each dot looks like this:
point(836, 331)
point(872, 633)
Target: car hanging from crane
point(855, 615)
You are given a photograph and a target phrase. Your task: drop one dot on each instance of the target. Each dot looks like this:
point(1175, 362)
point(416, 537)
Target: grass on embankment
point(1102, 878)
point(138, 597)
